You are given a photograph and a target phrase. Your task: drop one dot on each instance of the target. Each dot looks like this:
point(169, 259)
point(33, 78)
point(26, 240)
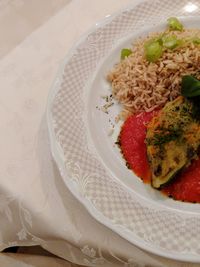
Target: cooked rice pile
point(142, 86)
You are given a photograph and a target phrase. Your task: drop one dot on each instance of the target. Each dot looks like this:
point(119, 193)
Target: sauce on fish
point(186, 185)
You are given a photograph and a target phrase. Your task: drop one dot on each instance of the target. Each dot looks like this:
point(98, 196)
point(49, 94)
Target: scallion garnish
point(174, 24)
point(125, 53)
point(171, 41)
point(153, 51)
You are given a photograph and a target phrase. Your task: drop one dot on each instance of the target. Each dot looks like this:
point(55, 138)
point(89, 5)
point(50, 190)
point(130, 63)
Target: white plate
point(91, 164)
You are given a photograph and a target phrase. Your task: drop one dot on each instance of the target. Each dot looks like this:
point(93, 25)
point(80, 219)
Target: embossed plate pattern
point(162, 230)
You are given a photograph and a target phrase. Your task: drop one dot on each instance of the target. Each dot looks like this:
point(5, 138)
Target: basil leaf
point(190, 86)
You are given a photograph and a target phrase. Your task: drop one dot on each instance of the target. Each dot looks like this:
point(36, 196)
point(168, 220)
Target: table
point(36, 208)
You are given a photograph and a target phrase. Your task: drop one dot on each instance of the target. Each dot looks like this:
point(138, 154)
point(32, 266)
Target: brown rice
point(142, 86)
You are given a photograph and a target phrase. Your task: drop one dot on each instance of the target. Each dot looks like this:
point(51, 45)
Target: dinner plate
point(89, 161)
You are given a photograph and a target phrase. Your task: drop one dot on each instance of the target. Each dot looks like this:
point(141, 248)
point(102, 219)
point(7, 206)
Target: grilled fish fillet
point(173, 140)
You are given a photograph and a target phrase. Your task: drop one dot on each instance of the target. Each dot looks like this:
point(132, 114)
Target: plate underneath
point(100, 123)
point(89, 164)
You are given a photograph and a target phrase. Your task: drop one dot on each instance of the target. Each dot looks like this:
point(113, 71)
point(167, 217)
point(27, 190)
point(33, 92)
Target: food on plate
point(174, 24)
point(125, 53)
point(184, 186)
point(172, 140)
point(157, 83)
point(150, 74)
point(133, 147)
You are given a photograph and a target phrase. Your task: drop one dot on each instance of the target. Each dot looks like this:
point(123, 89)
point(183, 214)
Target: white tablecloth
point(35, 206)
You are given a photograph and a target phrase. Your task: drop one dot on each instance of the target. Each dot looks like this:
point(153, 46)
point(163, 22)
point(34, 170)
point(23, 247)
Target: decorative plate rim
point(59, 157)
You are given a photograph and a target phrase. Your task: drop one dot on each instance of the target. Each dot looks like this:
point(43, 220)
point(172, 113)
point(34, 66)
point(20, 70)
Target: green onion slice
point(153, 51)
point(174, 24)
point(171, 42)
point(125, 53)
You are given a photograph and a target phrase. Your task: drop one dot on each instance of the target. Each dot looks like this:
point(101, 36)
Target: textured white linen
point(35, 206)
point(25, 260)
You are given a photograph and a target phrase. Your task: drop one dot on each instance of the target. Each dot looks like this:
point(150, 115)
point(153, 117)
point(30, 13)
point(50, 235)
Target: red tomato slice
point(132, 141)
point(186, 187)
